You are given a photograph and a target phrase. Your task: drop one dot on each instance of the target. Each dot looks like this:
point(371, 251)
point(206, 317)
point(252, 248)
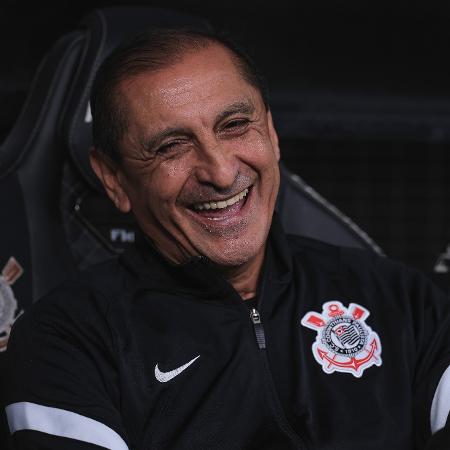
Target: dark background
point(360, 93)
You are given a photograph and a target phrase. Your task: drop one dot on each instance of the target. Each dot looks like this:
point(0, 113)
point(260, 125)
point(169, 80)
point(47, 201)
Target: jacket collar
point(198, 275)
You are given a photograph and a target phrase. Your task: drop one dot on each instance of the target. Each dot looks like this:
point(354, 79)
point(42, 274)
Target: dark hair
point(152, 50)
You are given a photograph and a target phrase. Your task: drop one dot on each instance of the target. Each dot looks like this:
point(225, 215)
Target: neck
point(245, 277)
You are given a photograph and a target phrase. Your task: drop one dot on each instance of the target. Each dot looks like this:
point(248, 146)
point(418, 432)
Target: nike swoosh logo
point(164, 377)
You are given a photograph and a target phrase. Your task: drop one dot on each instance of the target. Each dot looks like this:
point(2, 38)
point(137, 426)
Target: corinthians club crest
point(344, 342)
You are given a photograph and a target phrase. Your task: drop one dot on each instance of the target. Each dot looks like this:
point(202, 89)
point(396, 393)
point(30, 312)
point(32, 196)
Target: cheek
point(163, 186)
point(256, 149)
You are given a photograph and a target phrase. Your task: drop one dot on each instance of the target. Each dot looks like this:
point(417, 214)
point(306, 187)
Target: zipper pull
point(254, 315)
point(258, 326)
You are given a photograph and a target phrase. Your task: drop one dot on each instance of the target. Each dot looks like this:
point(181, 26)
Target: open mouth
point(222, 209)
point(221, 204)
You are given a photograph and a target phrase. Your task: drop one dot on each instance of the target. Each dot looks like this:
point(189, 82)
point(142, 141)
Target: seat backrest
point(306, 213)
point(45, 157)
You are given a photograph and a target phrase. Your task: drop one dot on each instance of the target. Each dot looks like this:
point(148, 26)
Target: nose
point(217, 164)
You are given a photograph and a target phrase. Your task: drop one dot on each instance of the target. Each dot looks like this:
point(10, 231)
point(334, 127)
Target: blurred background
point(360, 94)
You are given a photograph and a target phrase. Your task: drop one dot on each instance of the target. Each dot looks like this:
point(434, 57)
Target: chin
point(237, 253)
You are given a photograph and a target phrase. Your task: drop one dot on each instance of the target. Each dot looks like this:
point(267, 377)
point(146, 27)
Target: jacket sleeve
point(61, 381)
point(431, 382)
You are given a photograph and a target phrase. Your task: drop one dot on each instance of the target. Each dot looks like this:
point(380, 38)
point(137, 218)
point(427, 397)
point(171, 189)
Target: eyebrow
point(242, 107)
point(236, 108)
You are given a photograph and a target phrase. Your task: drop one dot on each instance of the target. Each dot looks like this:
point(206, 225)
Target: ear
point(111, 177)
point(273, 135)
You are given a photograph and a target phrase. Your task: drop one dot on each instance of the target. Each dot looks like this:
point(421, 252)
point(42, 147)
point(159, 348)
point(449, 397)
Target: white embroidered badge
point(8, 303)
point(344, 342)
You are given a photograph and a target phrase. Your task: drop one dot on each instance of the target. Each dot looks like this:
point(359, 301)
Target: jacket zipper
point(258, 327)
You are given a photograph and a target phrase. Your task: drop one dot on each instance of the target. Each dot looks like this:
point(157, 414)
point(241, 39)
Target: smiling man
point(219, 331)
point(198, 162)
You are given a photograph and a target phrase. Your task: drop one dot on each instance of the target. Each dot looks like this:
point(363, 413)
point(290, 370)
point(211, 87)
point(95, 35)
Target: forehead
point(204, 80)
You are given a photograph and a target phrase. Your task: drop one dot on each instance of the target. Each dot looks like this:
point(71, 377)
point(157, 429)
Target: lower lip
point(227, 217)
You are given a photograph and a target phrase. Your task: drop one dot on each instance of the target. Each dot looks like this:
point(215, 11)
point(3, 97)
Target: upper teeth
point(223, 203)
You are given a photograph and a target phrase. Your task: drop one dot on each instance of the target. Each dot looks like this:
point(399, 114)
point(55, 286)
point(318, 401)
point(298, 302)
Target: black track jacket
point(345, 351)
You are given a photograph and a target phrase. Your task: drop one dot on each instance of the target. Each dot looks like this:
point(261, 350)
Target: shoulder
point(358, 264)
point(62, 351)
point(329, 256)
point(77, 305)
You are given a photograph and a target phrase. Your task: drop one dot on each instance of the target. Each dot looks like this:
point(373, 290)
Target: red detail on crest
point(358, 313)
point(317, 321)
point(334, 310)
point(12, 271)
point(353, 363)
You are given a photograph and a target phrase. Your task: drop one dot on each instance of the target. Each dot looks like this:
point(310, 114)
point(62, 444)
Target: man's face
point(200, 160)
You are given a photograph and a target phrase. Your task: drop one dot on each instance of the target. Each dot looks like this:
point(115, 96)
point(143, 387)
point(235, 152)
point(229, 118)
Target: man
point(221, 332)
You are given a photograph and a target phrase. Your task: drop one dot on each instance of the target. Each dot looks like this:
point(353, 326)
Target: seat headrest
point(106, 29)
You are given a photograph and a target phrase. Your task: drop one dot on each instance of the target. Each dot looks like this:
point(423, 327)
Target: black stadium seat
point(47, 188)
point(56, 218)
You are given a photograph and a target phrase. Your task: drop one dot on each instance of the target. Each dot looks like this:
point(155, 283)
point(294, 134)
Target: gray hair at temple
point(152, 50)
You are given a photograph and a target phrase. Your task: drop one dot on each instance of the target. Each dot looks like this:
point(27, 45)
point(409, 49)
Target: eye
point(236, 124)
point(169, 147)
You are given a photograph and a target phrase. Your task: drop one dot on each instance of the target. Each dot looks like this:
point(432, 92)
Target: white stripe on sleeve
point(440, 407)
point(60, 422)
